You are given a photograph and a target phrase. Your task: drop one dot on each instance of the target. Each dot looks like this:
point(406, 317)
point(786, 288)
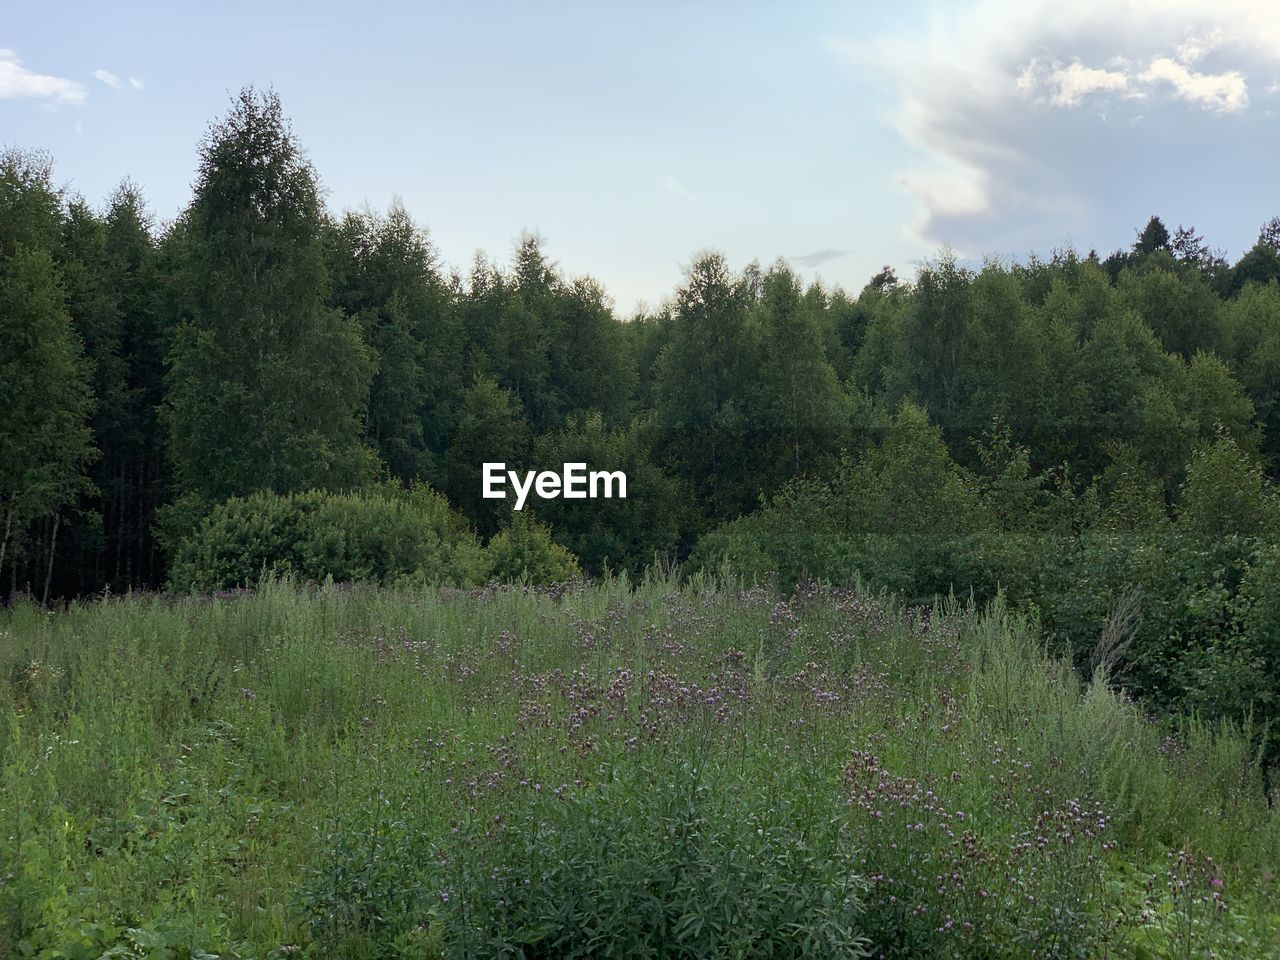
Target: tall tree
point(45, 396)
point(386, 275)
point(1261, 264)
point(45, 439)
point(267, 385)
point(1154, 236)
point(803, 415)
point(705, 388)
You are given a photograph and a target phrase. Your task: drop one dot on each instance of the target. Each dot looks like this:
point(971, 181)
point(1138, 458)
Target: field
point(653, 769)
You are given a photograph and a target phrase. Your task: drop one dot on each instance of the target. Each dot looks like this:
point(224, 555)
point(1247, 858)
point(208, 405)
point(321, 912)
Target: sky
point(633, 136)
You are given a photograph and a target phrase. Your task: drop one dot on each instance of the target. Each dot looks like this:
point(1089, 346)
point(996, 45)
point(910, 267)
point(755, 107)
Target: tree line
point(260, 345)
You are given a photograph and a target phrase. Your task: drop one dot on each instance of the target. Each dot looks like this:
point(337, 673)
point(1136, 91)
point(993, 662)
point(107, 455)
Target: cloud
point(673, 186)
point(1069, 85)
point(137, 84)
point(817, 258)
point(1213, 91)
point(1075, 83)
point(107, 77)
point(16, 81)
point(1024, 114)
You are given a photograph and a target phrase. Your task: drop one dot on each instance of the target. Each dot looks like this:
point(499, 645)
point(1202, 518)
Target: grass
point(608, 770)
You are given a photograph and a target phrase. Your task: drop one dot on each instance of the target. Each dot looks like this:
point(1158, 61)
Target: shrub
point(525, 553)
point(381, 534)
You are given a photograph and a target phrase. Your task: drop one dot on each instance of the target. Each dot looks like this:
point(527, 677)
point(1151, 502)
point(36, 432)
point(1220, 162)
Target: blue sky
point(633, 135)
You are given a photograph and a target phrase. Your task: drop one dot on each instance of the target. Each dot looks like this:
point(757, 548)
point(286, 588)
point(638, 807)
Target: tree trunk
point(8, 530)
point(48, 576)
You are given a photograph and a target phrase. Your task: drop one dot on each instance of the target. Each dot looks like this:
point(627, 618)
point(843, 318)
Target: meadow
point(659, 768)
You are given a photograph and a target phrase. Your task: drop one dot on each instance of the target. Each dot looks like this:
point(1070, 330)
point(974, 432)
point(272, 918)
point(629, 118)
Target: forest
point(276, 679)
point(264, 386)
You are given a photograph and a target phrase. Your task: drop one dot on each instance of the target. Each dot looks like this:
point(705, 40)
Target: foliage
point(616, 534)
point(525, 553)
point(266, 385)
point(45, 440)
point(659, 855)
point(379, 535)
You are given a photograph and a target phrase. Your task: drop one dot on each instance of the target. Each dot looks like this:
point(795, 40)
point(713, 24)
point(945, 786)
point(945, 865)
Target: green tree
point(1261, 264)
point(1226, 494)
point(1154, 236)
point(386, 275)
point(1179, 306)
point(590, 369)
point(109, 270)
point(491, 429)
point(45, 440)
point(706, 372)
point(653, 522)
point(266, 384)
point(801, 414)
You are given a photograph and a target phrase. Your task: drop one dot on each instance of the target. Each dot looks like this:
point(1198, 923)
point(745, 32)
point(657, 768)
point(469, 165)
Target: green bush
point(525, 553)
point(379, 535)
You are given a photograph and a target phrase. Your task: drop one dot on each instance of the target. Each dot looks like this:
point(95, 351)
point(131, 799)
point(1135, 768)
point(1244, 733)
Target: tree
point(1179, 306)
point(1003, 369)
point(1260, 265)
point(1269, 235)
point(386, 276)
point(1226, 494)
point(1251, 343)
point(525, 553)
point(1154, 236)
point(704, 388)
point(267, 385)
point(590, 370)
point(1188, 246)
point(653, 521)
point(886, 279)
point(491, 429)
point(506, 319)
point(110, 274)
point(924, 362)
point(802, 414)
point(45, 440)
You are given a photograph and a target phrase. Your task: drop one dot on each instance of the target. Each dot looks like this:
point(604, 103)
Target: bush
point(381, 535)
point(525, 553)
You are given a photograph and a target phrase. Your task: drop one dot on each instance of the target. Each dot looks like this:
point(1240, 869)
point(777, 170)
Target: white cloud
point(960, 193)
point(137, 84)
point(1226, 92)
point(1069, 85)
point(107, 77)
point(17, 81)
point(1024, 114)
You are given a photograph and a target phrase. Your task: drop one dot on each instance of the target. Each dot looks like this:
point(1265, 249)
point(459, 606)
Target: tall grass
point(608, 770)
